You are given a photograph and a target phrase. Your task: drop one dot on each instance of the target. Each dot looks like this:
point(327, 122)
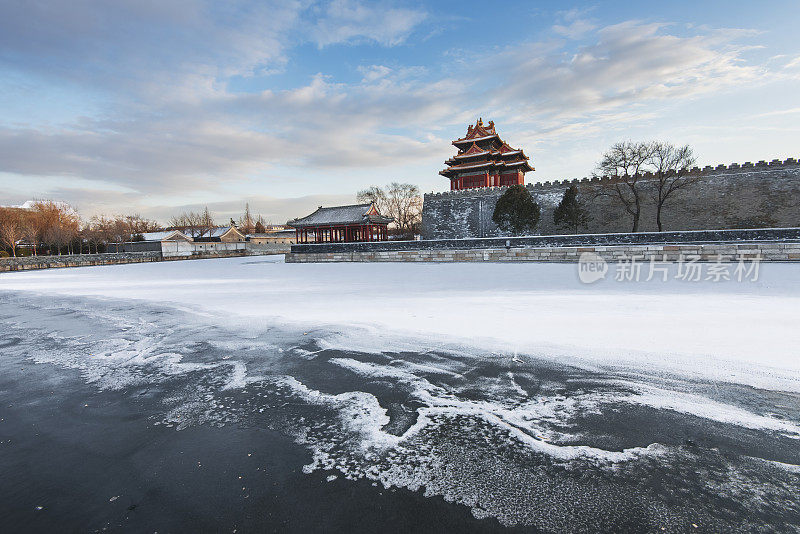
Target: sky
point(157, 107)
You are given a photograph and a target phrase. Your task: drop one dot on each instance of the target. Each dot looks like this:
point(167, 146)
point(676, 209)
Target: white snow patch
point(737, 332)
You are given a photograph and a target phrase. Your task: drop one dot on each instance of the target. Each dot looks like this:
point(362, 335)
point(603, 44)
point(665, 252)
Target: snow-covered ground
point(733, 331)
point(513, 389)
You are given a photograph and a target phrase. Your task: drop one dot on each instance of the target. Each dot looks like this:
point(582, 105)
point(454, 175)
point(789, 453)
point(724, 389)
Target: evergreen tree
point(569, 213)
point(516, 211)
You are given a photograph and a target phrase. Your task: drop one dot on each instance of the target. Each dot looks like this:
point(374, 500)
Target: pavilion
point(342, 224)
point(485, 160)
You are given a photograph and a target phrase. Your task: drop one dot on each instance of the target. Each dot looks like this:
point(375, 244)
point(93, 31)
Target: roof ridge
point(347, 205)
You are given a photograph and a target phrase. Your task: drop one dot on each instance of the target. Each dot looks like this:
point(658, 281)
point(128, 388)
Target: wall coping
point(706, 172)
point(639, 238)
point(81, 257)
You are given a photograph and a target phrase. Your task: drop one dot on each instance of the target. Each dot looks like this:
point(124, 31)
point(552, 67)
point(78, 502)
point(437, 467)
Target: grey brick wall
point(76, 260)
point(705, 252)
point(747, 196)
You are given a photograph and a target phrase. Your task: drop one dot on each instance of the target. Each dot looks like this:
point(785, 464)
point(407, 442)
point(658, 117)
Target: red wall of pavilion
point(491, 180)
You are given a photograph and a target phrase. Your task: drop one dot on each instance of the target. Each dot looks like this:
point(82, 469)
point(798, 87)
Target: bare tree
point(405, 205)
point(91, 234)
point(402, 202)
point(59, 223)
point(102, 231)
point(246, 223)
point(260, 226)
point(10, 228)
point(374, 195)
point(671, 166)
point(207, 222)
point(31, 229)
point(137, 225)
point(624, 164)
point(190, 223)
point(120, 231)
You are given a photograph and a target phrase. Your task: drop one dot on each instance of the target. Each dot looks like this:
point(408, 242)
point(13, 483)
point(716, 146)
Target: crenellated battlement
point(738, 195)
point(708, 170)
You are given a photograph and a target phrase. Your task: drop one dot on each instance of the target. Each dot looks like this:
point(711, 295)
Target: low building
point(221, 234)
point(288, 237)
point(168, 242)
point(342, 224)
point(174, 243)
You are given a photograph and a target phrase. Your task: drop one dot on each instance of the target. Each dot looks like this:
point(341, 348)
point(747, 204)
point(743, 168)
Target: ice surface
point(514, 430)
point(732, 331)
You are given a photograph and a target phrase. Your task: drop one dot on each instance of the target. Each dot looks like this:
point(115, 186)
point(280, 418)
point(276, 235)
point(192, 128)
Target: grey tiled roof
point(340, 215)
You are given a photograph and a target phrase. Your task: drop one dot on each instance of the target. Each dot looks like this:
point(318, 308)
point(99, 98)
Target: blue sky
point(156, 107)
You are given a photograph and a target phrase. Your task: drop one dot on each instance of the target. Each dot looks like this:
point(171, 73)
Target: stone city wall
point(570, 240)
point(76, 260)
point(757, 195)
point(118, 258)
point(707, 252)
point(265, 249)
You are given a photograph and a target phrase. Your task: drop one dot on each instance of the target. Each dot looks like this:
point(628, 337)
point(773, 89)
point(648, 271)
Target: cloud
point(274, 210)
point(778, 113)
point(144, 46)
point(91, 202)
point(629, 64)
point(173, 126)
point(574, 30)
point(189, 46)
point(146, 157)
point(349, 21)
point(374, 72)
point(793, 66)
point(208, 143)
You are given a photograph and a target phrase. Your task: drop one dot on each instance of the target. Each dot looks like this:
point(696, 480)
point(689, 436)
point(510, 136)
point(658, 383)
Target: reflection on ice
point(527, 440)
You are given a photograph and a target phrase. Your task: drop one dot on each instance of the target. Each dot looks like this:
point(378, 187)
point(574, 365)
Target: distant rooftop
point(342, 215)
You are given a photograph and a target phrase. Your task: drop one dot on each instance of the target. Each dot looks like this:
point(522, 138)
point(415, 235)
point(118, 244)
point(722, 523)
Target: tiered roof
point(482, 149)
point(356, 214)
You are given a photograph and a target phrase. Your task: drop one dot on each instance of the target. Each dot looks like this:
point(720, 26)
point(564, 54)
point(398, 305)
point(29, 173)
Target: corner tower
point(485, 160)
